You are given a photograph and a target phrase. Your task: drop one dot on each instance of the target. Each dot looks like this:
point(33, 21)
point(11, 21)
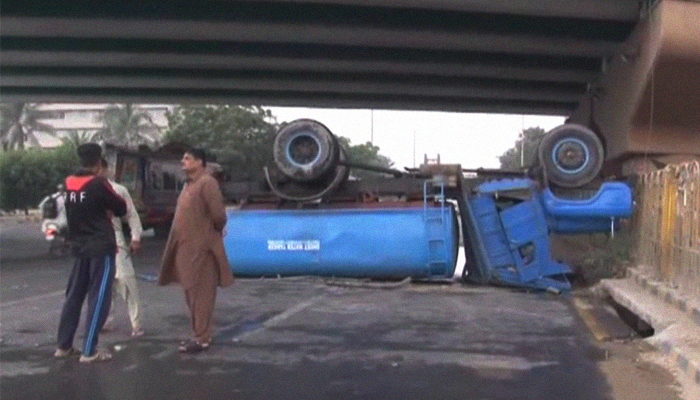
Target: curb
point(658, 322)
point(666, 293)
point(686, 364)
point(677, 350)
point(691, 368)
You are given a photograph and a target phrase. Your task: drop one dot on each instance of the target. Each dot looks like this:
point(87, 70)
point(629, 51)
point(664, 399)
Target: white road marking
point(281, 317)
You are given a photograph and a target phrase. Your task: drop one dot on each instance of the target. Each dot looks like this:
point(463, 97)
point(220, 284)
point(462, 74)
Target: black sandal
point(192, 346)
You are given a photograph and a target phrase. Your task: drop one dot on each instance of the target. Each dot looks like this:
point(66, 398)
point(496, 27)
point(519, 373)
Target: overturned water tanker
point(310, 216)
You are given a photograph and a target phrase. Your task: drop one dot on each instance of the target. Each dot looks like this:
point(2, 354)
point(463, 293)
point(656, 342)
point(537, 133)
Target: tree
point(524, 153)
point(127, 125)
point(368, 154)
point(19, 123)
point(77, 137)
point(240, 137)
point(26, 176)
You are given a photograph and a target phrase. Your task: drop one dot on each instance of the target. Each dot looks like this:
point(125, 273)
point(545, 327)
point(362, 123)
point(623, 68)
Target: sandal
point(100, 355)
point(108, 325)
point(137, 332)
point(61, 353)
point(193, 346)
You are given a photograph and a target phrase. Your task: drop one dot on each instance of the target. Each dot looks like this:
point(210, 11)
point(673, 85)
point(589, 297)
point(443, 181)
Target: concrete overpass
point(588, 59)
point(518, 56)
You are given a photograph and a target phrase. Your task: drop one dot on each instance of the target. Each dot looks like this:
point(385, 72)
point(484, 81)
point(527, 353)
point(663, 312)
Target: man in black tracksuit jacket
point(90, 202)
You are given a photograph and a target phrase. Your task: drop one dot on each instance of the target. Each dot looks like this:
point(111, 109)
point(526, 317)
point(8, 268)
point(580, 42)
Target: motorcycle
point(58, 245)
point(54, 223)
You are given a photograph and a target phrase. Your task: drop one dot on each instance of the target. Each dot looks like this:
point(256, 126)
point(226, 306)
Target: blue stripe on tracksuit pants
point(91, 277)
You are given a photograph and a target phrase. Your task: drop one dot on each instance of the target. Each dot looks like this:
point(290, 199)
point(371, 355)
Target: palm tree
point(19, 123)
point(77, 137)
point(127, 125)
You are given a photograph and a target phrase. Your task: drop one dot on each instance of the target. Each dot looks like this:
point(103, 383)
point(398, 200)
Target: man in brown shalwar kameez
point(194, 253)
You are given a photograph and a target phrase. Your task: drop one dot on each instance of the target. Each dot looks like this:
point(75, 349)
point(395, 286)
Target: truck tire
point(305, 150)
point(571, 155)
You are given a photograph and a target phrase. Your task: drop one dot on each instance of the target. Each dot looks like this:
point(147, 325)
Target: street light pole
point(414, 149)
point(371, 129)
point(522, 143)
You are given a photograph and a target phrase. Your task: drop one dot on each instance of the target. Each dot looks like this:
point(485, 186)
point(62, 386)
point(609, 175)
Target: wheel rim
point(303, 150)
point(570, 156)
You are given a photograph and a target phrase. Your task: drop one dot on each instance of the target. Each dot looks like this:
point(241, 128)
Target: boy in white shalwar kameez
point(125, 278)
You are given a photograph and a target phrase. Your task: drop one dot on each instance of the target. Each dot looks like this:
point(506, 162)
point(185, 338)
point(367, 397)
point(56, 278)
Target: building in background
point(86, 119)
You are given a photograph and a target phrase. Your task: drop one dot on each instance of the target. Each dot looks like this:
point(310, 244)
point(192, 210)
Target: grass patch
point(595, 256)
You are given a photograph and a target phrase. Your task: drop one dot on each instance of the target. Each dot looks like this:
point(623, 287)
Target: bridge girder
point(646, 104)
point(516, 56)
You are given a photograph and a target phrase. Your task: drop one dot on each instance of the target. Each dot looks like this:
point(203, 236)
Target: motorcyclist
point(60, 220)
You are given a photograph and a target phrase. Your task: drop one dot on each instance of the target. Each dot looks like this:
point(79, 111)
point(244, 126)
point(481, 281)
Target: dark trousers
point(91, 277)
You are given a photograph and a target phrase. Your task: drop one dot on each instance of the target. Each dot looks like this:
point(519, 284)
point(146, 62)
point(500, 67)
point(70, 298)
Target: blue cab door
point(528, 238)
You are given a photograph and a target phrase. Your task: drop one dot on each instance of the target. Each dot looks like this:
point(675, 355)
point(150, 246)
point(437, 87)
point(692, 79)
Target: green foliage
point(609, 259)
point(526, 145)
point(77, 137)
point(368, 154)
point(127, 125)
point(27, 176)
point(240, 137)
point(595, 256)
point(18, 124)
point(9, 115)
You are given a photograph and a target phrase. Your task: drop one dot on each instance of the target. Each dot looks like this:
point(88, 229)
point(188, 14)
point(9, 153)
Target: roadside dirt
point(629, 362)
point(594, 256)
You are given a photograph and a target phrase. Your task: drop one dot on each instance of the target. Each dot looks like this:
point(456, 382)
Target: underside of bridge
point(627, 69)
point(646, 104)
point(516, 56)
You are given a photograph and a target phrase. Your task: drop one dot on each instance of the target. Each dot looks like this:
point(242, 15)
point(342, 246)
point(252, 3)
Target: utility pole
point(414, 149)
point(371, 129)
point(522, 143)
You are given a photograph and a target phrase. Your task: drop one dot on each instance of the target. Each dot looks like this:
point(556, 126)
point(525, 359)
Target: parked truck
point(310, 216)
point(154, 180)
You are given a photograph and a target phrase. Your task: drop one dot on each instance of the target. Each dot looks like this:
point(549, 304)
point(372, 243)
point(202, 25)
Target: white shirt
point(131, 217)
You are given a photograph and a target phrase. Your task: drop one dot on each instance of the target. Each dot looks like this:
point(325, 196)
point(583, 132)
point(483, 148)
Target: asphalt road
point(311, 338)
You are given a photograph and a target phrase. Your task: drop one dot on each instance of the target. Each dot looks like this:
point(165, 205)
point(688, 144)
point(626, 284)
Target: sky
point(471, 139)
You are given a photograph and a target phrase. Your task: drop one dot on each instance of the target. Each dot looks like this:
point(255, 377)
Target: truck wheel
point(571, 155)
point(305, 150)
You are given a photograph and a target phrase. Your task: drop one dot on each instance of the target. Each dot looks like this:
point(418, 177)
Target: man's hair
point(103, 163)
point(198, 154)
point(89, 154)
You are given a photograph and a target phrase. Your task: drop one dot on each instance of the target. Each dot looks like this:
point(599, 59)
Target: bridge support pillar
point(647, 106)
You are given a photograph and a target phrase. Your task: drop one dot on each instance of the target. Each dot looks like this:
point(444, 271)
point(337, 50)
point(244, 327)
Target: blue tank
point(391, 243)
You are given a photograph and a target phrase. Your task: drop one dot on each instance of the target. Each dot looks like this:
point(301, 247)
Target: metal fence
point(668, 225)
